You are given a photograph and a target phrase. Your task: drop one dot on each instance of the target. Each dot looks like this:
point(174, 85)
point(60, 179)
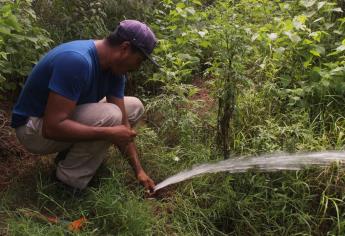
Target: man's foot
point(69, 190)
point(72, 191)
point(61, 156)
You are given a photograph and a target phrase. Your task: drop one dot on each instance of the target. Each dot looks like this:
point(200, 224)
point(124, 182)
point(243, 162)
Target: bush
point(73, 19)
point(21, 42)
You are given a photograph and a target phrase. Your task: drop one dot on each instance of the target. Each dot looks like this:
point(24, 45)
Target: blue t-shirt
point(71, 70)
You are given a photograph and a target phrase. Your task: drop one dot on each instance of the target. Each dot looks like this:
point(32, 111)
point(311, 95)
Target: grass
point(308, 202)
point(180, 134)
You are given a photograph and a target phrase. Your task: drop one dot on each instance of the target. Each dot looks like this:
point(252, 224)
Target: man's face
point(134, 61)
point(128, 60)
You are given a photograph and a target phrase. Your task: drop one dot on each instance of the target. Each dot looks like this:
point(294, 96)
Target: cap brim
point(149, 57)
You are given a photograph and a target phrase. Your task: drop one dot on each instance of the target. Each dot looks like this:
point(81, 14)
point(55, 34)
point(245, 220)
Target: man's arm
point(57, 124)
point(130, 149)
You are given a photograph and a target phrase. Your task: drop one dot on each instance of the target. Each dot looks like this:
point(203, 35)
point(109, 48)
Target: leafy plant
point(70, 20)
point(21, 42)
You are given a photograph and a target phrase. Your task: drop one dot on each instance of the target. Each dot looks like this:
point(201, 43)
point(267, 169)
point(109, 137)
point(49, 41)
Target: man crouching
point(60, 107)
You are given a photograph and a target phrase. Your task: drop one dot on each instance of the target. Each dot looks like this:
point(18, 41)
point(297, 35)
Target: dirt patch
point(14, 159)
point(13, 168)
point(203, 95)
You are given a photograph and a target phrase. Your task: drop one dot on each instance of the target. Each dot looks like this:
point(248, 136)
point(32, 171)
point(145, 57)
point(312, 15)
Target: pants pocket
point(34, 126)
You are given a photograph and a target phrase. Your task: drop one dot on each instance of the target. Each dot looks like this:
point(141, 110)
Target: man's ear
point(125, 46)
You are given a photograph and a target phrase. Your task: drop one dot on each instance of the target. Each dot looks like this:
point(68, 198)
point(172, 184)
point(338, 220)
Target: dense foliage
point(274, 74)
point(21, 42)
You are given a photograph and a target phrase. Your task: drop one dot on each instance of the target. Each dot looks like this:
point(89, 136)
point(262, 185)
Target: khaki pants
point(83, 158)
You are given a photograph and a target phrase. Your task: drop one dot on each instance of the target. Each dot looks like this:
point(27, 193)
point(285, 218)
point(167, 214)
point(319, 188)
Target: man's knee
point(140, 109)
point(112, 116)
point(135, 109)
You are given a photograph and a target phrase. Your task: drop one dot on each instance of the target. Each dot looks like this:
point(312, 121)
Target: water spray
point(264, 163)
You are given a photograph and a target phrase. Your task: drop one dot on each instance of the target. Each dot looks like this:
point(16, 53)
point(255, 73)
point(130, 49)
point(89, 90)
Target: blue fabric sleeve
point(70, 73)
point(117, 86)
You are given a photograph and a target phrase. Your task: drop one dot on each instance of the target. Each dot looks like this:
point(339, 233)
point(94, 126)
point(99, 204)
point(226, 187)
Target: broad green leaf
point(334, 53)
point(293, 36)
point(320, 5)
point(202, 33)
point(32, 13)
point(184, 56)
point(298, 92)
point(197, 2)
point(315, 53)
point(280, 50)
point(329, 25)
point(255, 36)
point(172, 27)
point(307, 42)
point(19, 37)
point(298, 25)
point(181, 12)
point(317, 70)
point(316, 35)
point(301, 18)
point(320, 49)
point(10, 50)
point(180, 5)
point(5, 30)
point(331, 65)
point(308, 3)
point(12, 20)
point(204, 44)
point(310, 13)
point(6, 10)
point(190, 10)
point(33, 39)
point(288, 25)
point(286, 6)
point(325, 83)
point(272, 36)
point(338, 70)
point(341, 48)
point(338, 9)
point(307, 63)
point(3, 55)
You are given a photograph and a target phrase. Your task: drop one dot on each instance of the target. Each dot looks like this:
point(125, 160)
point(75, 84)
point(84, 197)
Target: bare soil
point(15, 161)
point(203, 95)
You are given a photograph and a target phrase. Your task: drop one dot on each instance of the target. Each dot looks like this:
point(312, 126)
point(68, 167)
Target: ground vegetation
point(238, 77)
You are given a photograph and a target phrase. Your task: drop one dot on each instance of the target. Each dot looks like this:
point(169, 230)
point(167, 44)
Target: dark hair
point(114, 39)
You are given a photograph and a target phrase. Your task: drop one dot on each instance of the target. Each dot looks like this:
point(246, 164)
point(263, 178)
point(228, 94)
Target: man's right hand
point(121, 134)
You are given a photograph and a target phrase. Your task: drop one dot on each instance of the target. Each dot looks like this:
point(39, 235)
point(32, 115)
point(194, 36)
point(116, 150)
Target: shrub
point(21, 42)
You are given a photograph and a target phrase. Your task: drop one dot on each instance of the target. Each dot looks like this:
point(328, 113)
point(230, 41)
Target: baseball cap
point(140, 35)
